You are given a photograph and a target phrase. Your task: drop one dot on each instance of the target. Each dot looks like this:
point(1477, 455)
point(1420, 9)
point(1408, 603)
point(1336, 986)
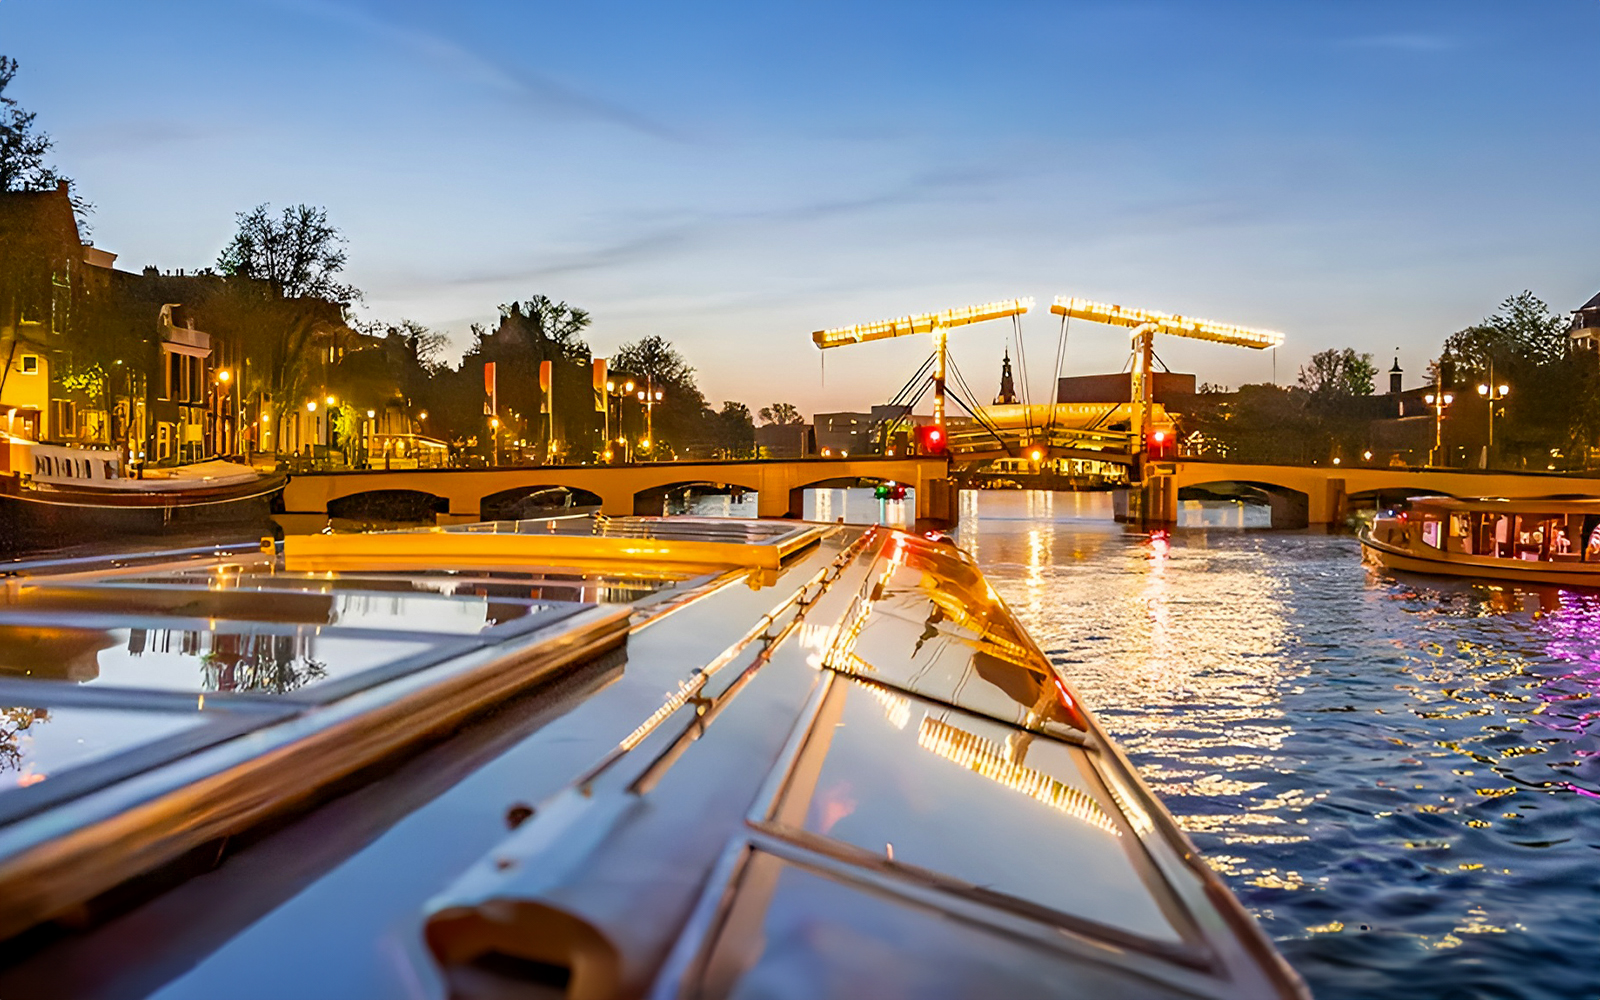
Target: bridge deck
point(778, 483)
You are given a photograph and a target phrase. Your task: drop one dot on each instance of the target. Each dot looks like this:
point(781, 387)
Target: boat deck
point(683, 759)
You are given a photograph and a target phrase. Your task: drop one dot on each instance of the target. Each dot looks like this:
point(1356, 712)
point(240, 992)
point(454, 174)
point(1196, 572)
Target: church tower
point(1008, 390)
point(1395, 374)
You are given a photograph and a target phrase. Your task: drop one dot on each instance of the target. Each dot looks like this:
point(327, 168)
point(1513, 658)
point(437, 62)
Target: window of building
point(30, 364)
point(65, 412)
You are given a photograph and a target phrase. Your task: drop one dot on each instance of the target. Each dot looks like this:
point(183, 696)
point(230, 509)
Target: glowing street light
point(1493, 394)
point(1438, 401)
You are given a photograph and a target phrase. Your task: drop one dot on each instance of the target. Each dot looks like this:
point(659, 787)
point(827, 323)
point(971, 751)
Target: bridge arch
point(1290, 507)
point(651, 501)
point(797, 494)
point(538, 500)
point(389, 505)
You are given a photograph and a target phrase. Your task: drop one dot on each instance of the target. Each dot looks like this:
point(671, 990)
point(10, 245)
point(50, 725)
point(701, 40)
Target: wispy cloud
point(536, 91)
point(672, 233)
point(1404, 42)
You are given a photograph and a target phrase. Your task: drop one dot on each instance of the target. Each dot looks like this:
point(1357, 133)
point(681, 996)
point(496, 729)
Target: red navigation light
point(1160, 446)
point(930, 439)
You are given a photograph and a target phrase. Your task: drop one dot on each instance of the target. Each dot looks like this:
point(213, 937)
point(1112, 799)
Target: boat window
point(971, 799)
point(1430, 532)
point(794, 931)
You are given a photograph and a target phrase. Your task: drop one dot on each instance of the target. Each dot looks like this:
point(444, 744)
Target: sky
point(734, 176)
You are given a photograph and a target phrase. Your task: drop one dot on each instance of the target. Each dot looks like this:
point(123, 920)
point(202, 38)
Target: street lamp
point(1438, 401)
point(616, 391)
point(1492, 394)
point(649, 396)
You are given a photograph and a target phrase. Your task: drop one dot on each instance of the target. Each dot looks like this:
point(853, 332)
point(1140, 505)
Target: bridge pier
point(1152, 504)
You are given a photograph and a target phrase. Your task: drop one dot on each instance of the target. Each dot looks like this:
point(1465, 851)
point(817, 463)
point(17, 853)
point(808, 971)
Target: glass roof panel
point(37, 744)
point(984, 803)
point(172, 659)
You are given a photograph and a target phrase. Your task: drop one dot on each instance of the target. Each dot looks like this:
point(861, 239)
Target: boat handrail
point(66, 464)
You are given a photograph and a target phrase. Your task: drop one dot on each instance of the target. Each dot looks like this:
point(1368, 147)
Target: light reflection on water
point(1398, 777)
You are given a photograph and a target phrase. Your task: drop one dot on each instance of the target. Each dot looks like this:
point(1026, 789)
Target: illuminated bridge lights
point(921, 323)
point(1177, 326)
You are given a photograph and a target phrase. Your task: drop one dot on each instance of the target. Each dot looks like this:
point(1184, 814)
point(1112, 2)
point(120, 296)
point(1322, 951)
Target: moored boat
point(1551, 541)
point(52, 495)
point(581, 757)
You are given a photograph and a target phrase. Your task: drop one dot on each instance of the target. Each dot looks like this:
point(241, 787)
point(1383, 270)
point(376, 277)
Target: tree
point(1521, 336)
point(1553, 392)
point(1335, 374)
point(22, 149)
point(281, 300)
point(299, 254)
point(680, 417)
point(733, 433)
point(781, 413)
point(655, 359)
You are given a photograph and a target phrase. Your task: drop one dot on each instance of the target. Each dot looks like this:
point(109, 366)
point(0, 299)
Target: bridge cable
point(920, 378)
point(1061, 352)
point(983, 422)
point(986, 426)
point(1022, 367)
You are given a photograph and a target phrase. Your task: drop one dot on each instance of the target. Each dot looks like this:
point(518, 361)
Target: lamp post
point(311, 408)
point(649, 396)
point(1493, 394)
point(1438, 401)
point(617, 392)
point(368, 442)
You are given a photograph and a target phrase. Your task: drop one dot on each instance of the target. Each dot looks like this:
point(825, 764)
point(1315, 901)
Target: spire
point(1008, 390)
point(1395, 375)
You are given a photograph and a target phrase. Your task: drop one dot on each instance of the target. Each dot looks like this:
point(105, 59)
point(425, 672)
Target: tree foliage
point(299, 253)
point(781, 413)
point(680, 418)
point(22, 148)
point(732, 432)
point(1521, 336)
point(1335, 374)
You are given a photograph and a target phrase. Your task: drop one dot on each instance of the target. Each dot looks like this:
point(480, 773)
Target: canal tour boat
point(576, 757)
point(54, 494)
point(1551, 541)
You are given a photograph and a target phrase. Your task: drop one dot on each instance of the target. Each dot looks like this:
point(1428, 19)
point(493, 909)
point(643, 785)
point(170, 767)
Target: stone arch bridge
point(1323, 494)
point(628, 489)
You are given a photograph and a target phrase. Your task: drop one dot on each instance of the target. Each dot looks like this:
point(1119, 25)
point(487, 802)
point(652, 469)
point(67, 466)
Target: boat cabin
point(1547, 530)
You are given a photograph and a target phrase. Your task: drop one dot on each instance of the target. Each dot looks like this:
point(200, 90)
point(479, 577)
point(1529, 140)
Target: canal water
point(1398, 777)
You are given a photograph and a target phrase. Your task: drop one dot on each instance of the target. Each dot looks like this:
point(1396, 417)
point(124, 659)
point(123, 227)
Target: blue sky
point(734, 176)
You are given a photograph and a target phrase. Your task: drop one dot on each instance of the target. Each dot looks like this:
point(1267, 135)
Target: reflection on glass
point(984, 757)
point(926, 622)
point(36, 743)
point(190, 659)
point(53, 654)
point(982, 803)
